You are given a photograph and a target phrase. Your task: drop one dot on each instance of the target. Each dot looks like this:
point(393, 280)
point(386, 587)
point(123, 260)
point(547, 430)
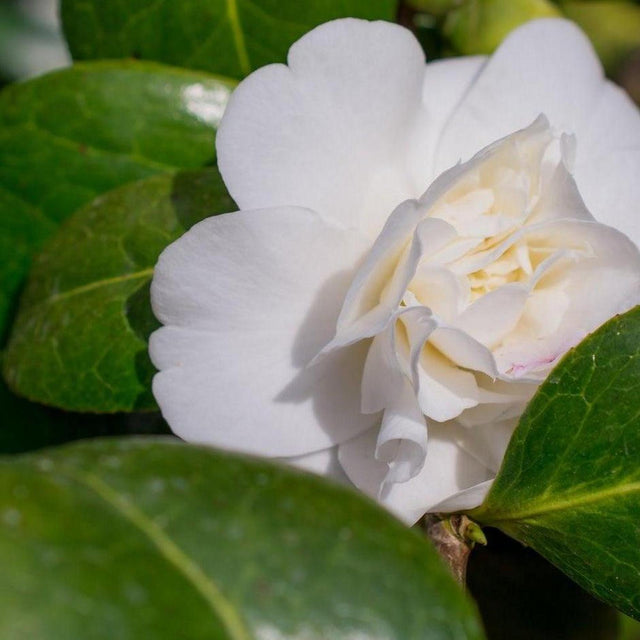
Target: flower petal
point(545, 66)
point(324, 462)
point(402, 440)
point(466, 499)
point(444, 390)
point(447, 471)
point(549, 66)
point(487, 442)
point(464, 350)
point(445, 83)
point(379, 285)
point(330, 131)
point(382, 379)
point(248, 299)
point(608, 162)
point(562, 309)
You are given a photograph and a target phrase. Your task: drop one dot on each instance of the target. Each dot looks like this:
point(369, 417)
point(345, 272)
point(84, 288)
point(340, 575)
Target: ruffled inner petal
point(447, 470)
point(402, 440)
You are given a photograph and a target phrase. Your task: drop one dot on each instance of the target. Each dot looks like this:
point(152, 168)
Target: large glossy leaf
point(231, 37)
point(569, 485)
point(79, 341)
point(146, 539)
point(71, 135)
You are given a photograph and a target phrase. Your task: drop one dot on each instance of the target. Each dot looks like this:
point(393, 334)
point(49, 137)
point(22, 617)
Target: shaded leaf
point(231, 37)
point(521, 596)
point(569, 485)
point(138, 539)
point(79, 341)
point(68, 136)
point(27, 426)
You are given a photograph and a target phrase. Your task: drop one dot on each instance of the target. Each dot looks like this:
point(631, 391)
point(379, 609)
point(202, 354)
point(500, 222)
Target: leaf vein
point(170, 551)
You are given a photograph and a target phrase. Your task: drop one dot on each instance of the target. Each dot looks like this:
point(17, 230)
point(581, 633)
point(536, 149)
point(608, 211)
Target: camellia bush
point(296, 320)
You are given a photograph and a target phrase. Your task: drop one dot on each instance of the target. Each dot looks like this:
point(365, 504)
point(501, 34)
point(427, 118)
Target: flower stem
point(453, 536)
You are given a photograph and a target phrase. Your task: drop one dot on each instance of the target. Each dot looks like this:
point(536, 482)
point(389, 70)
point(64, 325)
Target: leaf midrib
point(96, 284)
point(238, 37)
point(169, 550)
point(89, 148)
point(537, 510)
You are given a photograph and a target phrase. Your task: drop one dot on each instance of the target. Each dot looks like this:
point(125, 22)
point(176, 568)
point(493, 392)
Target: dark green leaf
point(136, 539)
point(569, 485)
point(26, 426)
point(79, 341)
point(71, 135)
point(231, 37)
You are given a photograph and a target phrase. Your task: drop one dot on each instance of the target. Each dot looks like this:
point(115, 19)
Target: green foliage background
point(105, 163)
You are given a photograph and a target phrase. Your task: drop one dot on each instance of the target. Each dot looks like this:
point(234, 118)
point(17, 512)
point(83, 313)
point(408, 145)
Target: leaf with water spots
point(79, 341)
point(231, 37)
point(135, 538)
point(569, 485)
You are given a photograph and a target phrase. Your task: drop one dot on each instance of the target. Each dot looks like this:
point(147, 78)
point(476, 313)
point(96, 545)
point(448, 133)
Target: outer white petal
point(545, 66)
point(248, 299)
point(466, 499)
point(324, 463)
point(445, 83)
point(549, 66)
point(608, 162)
point(488, 442)
point(447, 471)
point(330, 131)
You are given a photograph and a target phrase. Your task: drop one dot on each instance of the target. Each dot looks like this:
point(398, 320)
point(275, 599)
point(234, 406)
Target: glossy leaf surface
point(231, 37)
point(139, 539)
point(569, 485)
point(79, 341)
point(71, 135)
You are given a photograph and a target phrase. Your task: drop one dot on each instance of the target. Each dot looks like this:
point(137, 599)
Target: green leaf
point(26, 426)
point(569, 485)
point(79, 341)
point(231, 37)
point(68, 136)
point(141, 538)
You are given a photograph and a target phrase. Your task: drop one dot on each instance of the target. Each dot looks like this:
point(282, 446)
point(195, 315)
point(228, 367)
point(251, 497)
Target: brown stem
point(453, 537)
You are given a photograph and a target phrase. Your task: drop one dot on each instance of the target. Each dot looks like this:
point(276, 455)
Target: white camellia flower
point(416, 248)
